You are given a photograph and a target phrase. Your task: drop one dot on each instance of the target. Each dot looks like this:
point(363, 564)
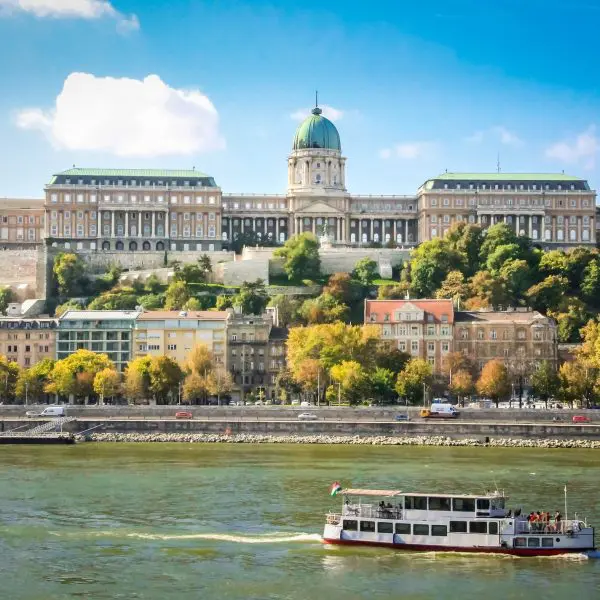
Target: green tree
point(353, 380)
point(195, 387)
point(9, 375)
point(288, 308)
point(412, 379)
point(554, 262)
point(430, 265)
point(487, 291)
point(224, 302)
point(190, 273)
point(493, 382)
point(301, 254)
point(545, 382)
point(499, 235)
point(193, 304)
point(548, 294)
point(115, 299)
point(61, 309)
point(466, 239)
point(382, 385)
point(153, 284)
point(177, 295)
point(323, 309)
point(252, 298)
point(6, 297)
point(70, 274)
point(393, 292)
point(32, 382)
point(517, 277)
point(205, 265)
point(152, 301)
point(576, 384)
point(391, 359)
point(590, 286)
point(501, 255)
point(454, 287)
point(577, 260)
point(571, 316)
point(107, 384)
point(165, 377)
point(366, 271)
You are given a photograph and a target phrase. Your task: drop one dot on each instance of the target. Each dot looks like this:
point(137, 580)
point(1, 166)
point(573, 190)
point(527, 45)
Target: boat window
point(458, 527)
point(493, 527)
point(463, 504)
point(498, 503)
point(478, 527)
point(350, 525)
point(547, 542)
point(403, 528)
point(533, 542)
point(519, 543)
point(483, 504)
point(415, 503)
point(367, 525)
point(385, 527)
point(439, 504)
point(420, 529)
point(440, 530)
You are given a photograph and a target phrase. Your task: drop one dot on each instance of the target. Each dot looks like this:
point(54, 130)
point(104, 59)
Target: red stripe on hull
point(481, 550)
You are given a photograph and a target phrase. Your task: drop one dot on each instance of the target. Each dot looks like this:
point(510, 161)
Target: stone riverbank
point(337, 439)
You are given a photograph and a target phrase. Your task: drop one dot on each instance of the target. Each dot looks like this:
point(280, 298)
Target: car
point(307, 416)
point(32, 413)
point(304, 403)
point(581, 419)
point(184, 414)
point(402, 418)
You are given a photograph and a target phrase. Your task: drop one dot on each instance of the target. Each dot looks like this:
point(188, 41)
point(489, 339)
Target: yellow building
point(27, 341)
point(174, 333)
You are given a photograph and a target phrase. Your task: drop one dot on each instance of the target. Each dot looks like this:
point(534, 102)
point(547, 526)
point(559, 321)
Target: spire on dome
point(316, 110)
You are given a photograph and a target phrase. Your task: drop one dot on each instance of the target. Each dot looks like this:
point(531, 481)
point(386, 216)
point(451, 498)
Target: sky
point(415, 88)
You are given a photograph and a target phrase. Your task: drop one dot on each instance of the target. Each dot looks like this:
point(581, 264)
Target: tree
point(412, 379)
point(575, 383)
point(200, 360)
point(548, 294)
point(499, 235)
point(153, 284)
point(165, 377)
point(462, 384)
point(453, 362)
point(323, 309)
point(571, 316)
point(219, 383)
point(493, 382)
point(577, 260)
point(136, 385)
point(430, 265)
point(301, 254)
point(517, 277)
point(205, 265)
point(308, 374)
point(393, 292)
point(545, 382)
point(32, 381)
point(177, 295)
point(366, 271)
point(590, 286)
point(115, 299)
point(70, 274)
point(391, 359)
point(382, 385)
point(288, 308)
point(6, 297)
point(107, 384)
point(151, 301)
point(224, 302)
point(61, 309)
point(554, 262)
point(74, 375)
point(501, 255)
point(195, 387)
point(252, 298)
point(454, 287)
point(9, 375)
point(190, 273)
point(192, 304)
point(352, 378)
point(465, 239)
point(487, 291)
point(343, 288)
point(286, 386)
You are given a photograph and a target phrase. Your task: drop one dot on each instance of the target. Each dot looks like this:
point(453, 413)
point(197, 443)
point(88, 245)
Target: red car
point(184, 414)
point(581, 419)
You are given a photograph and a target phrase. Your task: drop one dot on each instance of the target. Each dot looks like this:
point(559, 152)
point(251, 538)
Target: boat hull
point(470, 549)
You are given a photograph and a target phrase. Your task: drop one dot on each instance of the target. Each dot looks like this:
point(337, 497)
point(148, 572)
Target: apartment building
point(107, 332)
point(175, 333)
point(21, 222)
point(422, 328)
point(27, 341)
point(256, 350)
point(520, 338)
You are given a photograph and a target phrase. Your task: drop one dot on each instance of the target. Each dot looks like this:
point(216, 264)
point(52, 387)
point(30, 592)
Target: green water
point(219, 521)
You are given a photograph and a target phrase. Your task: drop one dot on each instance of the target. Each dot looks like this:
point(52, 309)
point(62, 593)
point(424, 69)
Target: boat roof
point(392, 493)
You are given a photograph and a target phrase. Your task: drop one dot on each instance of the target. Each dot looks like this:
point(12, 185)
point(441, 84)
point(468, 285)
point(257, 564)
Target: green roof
point(507, 177)
point(166, 173)
point(316, 131)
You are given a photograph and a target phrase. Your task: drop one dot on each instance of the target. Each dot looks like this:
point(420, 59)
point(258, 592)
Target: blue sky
point(415, 87)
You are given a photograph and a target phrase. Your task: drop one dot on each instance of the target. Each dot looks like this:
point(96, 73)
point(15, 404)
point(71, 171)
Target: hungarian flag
point(335, 488)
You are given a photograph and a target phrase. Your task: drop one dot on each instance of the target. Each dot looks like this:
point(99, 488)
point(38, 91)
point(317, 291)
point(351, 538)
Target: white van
point(53, 411)
point(439, 410)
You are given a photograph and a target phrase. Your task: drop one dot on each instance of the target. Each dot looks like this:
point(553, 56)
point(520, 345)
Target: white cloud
point(335, 114)
point(78, 9)
point(127, 117)
point(583, 150)
point(409, 150)
point(499, 133)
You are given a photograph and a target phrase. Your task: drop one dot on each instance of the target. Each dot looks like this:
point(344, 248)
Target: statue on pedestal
point(325, 240)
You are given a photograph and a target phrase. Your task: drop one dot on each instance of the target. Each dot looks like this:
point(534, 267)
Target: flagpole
point(566, 515)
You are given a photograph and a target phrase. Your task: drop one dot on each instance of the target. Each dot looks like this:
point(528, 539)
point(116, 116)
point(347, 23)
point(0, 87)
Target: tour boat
point(451, 523)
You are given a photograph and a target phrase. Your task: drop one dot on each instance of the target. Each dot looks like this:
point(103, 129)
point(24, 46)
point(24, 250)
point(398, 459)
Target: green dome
point(317, 132)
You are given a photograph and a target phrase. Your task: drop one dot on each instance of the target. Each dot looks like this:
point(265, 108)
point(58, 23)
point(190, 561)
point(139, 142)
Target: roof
point(491, 316)
point(317, 132)
point(392, 493)
point(380, 308)
point(206, 315)
point(133, 172)
point(362, 492)
point(278, 333)
point(99, 315)
point(22, 203)
point(507, 177)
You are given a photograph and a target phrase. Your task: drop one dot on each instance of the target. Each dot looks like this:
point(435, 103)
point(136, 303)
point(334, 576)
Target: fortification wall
point(235, 273)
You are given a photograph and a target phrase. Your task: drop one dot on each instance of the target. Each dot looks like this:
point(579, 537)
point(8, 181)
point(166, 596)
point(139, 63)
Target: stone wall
point(18, 271)
point(236, 272)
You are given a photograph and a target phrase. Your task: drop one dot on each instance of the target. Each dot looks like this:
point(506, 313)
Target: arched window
point(160, 246)
point(353, 238)
point(132, 246)
point(364, 238)
point(146, 246)
point(105, 245)
point(119, 246)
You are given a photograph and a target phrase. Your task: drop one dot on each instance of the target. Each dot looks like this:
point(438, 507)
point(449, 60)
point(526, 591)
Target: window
point(483, 504)
point(493, 334)
point(533, 542)
point(415, 503)
point(520, 542)
point(53, 197)
point(385, 527)
point(493, 528)
point(171, 346)
point(367, 526)
point(439, 530)
point(547, 542)
point(478, 527)
point(439, 503)
point(458, 527)
point(463, 504)
point(350, 525)
point(403, 528)
point(419, 529)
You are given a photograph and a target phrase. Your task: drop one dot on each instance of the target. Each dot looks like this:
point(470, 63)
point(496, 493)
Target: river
point(162, 521)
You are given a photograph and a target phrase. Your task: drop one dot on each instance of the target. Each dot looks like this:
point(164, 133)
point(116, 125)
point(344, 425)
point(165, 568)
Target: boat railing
point(570, 526)
point(368, 511)
point(333, 518)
